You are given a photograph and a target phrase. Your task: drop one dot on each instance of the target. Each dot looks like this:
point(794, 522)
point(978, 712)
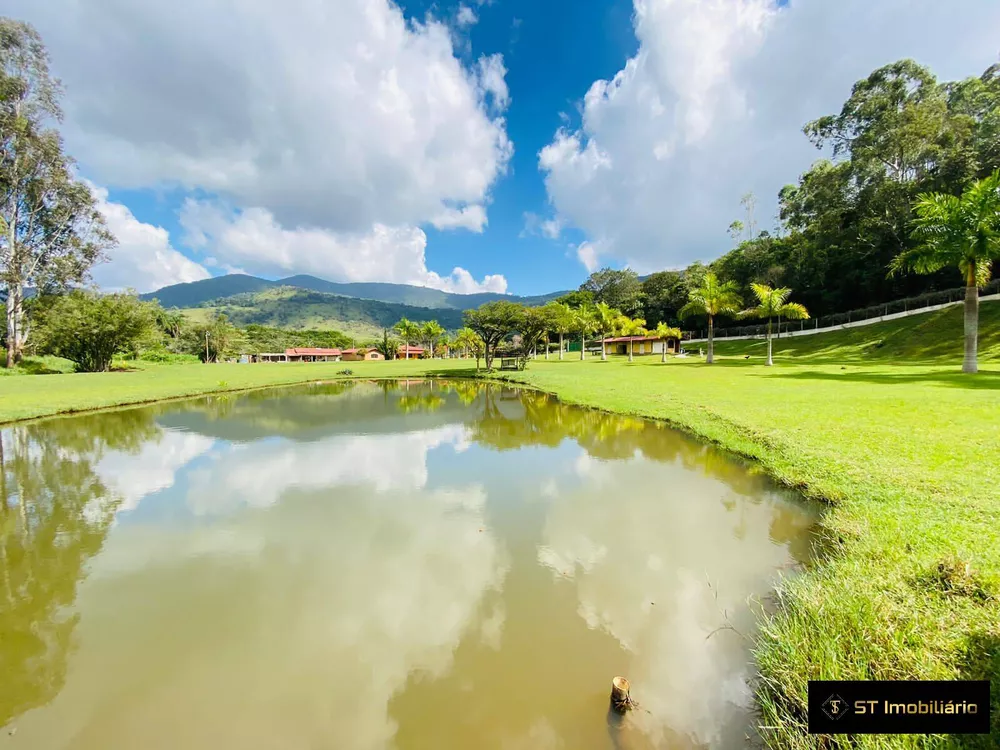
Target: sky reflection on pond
point(378, 565)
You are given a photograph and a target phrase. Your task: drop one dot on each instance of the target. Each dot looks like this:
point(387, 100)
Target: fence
point(889, 310)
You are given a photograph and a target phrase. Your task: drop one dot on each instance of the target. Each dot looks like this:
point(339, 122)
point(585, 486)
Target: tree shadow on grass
point(984, 380)
point(31, 366)
point(982, 662)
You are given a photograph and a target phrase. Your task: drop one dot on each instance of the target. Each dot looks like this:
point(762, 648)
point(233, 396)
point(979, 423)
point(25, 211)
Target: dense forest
point(900, 134)
point(289, 307)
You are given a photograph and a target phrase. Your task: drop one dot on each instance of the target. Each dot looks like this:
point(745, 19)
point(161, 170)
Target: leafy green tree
point(214, 340)
point(534, 328)
point(443, 346)
point(577, 298)
point(51, 232)
point(964, 232)
point(430, 334)
point(664, 293)
point(619, 289)
point(976, 101)
point(633, 327)
point(711, 298)
point(469, 341)
point(493, 322)
point(892, 125)
point(561, 320)
point(90, 329)
point(664, 333)
point(605, 318)
point(169, 321)
point(584, 323)
point(387, 347)
point(773, 303)
point(463, 340)
point(408, 331)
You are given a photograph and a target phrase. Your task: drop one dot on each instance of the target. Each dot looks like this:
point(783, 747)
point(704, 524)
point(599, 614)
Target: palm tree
point(430, 333)
point(584, 322)
point(773, 304)
point(464, 340)
point(665, 333)
point(958, 231)
point(562, 316)
point(632, 327)
point(711, 298)
point(408, 331)
point(605, 317)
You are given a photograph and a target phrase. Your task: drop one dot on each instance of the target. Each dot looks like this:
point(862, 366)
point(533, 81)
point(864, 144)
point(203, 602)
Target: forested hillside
point(288, 307)
point(197, 293)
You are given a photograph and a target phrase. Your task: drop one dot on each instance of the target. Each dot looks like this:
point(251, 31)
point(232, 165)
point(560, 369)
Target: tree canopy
point(620, 289)
point(90, 329)
point(51, 232)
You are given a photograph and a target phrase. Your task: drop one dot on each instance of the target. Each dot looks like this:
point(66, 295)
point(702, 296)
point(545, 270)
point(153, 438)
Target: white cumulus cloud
point(466, 16)
point(712, 106)
point(254, 240)
point(334, 120)
point(144, 259)
point(339, 114)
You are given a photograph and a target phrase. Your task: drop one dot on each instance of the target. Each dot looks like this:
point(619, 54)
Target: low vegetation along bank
point(905, 455)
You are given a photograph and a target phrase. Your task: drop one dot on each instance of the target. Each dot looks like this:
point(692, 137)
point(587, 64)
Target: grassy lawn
point(906, 455)
point(30, 397)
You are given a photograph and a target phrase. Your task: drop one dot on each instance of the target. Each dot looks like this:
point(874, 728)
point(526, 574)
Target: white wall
point(807, 331)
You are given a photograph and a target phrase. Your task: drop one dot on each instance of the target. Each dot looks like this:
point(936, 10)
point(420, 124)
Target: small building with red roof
point(413, 352)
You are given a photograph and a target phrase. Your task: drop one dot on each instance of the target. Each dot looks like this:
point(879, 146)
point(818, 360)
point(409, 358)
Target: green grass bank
point(905, 455)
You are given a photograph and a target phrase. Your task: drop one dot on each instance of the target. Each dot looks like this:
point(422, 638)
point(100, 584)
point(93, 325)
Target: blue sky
point(503, 145)
point(578, 43)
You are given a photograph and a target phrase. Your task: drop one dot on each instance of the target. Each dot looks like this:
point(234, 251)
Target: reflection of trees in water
point(54, 516)
point(420, 401)
point(91, 435)
point(547, 421)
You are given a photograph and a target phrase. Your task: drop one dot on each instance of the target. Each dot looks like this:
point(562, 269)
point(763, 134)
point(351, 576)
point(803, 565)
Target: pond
point(379, 565)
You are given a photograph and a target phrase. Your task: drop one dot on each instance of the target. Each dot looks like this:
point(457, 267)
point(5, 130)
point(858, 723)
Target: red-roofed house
point(415, 352)
point(303, 354)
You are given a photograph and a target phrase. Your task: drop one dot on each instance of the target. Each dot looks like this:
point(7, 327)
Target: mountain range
point(360, 310)
point(198, 293)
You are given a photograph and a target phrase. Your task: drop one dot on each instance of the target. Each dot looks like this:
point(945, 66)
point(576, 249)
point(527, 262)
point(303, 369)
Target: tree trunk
point(663, 352)
point(711, 338)
point(620, 699)
point(631, 348)
point(769, 360)
point(583, 345)
point(15, 305)
point(560, 346)
point(969, 363)
point(604, 347)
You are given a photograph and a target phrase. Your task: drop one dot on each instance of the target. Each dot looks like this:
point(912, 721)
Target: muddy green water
point(404, 565)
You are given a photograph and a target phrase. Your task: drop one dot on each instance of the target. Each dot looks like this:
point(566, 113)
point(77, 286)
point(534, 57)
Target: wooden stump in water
point(620, 699)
